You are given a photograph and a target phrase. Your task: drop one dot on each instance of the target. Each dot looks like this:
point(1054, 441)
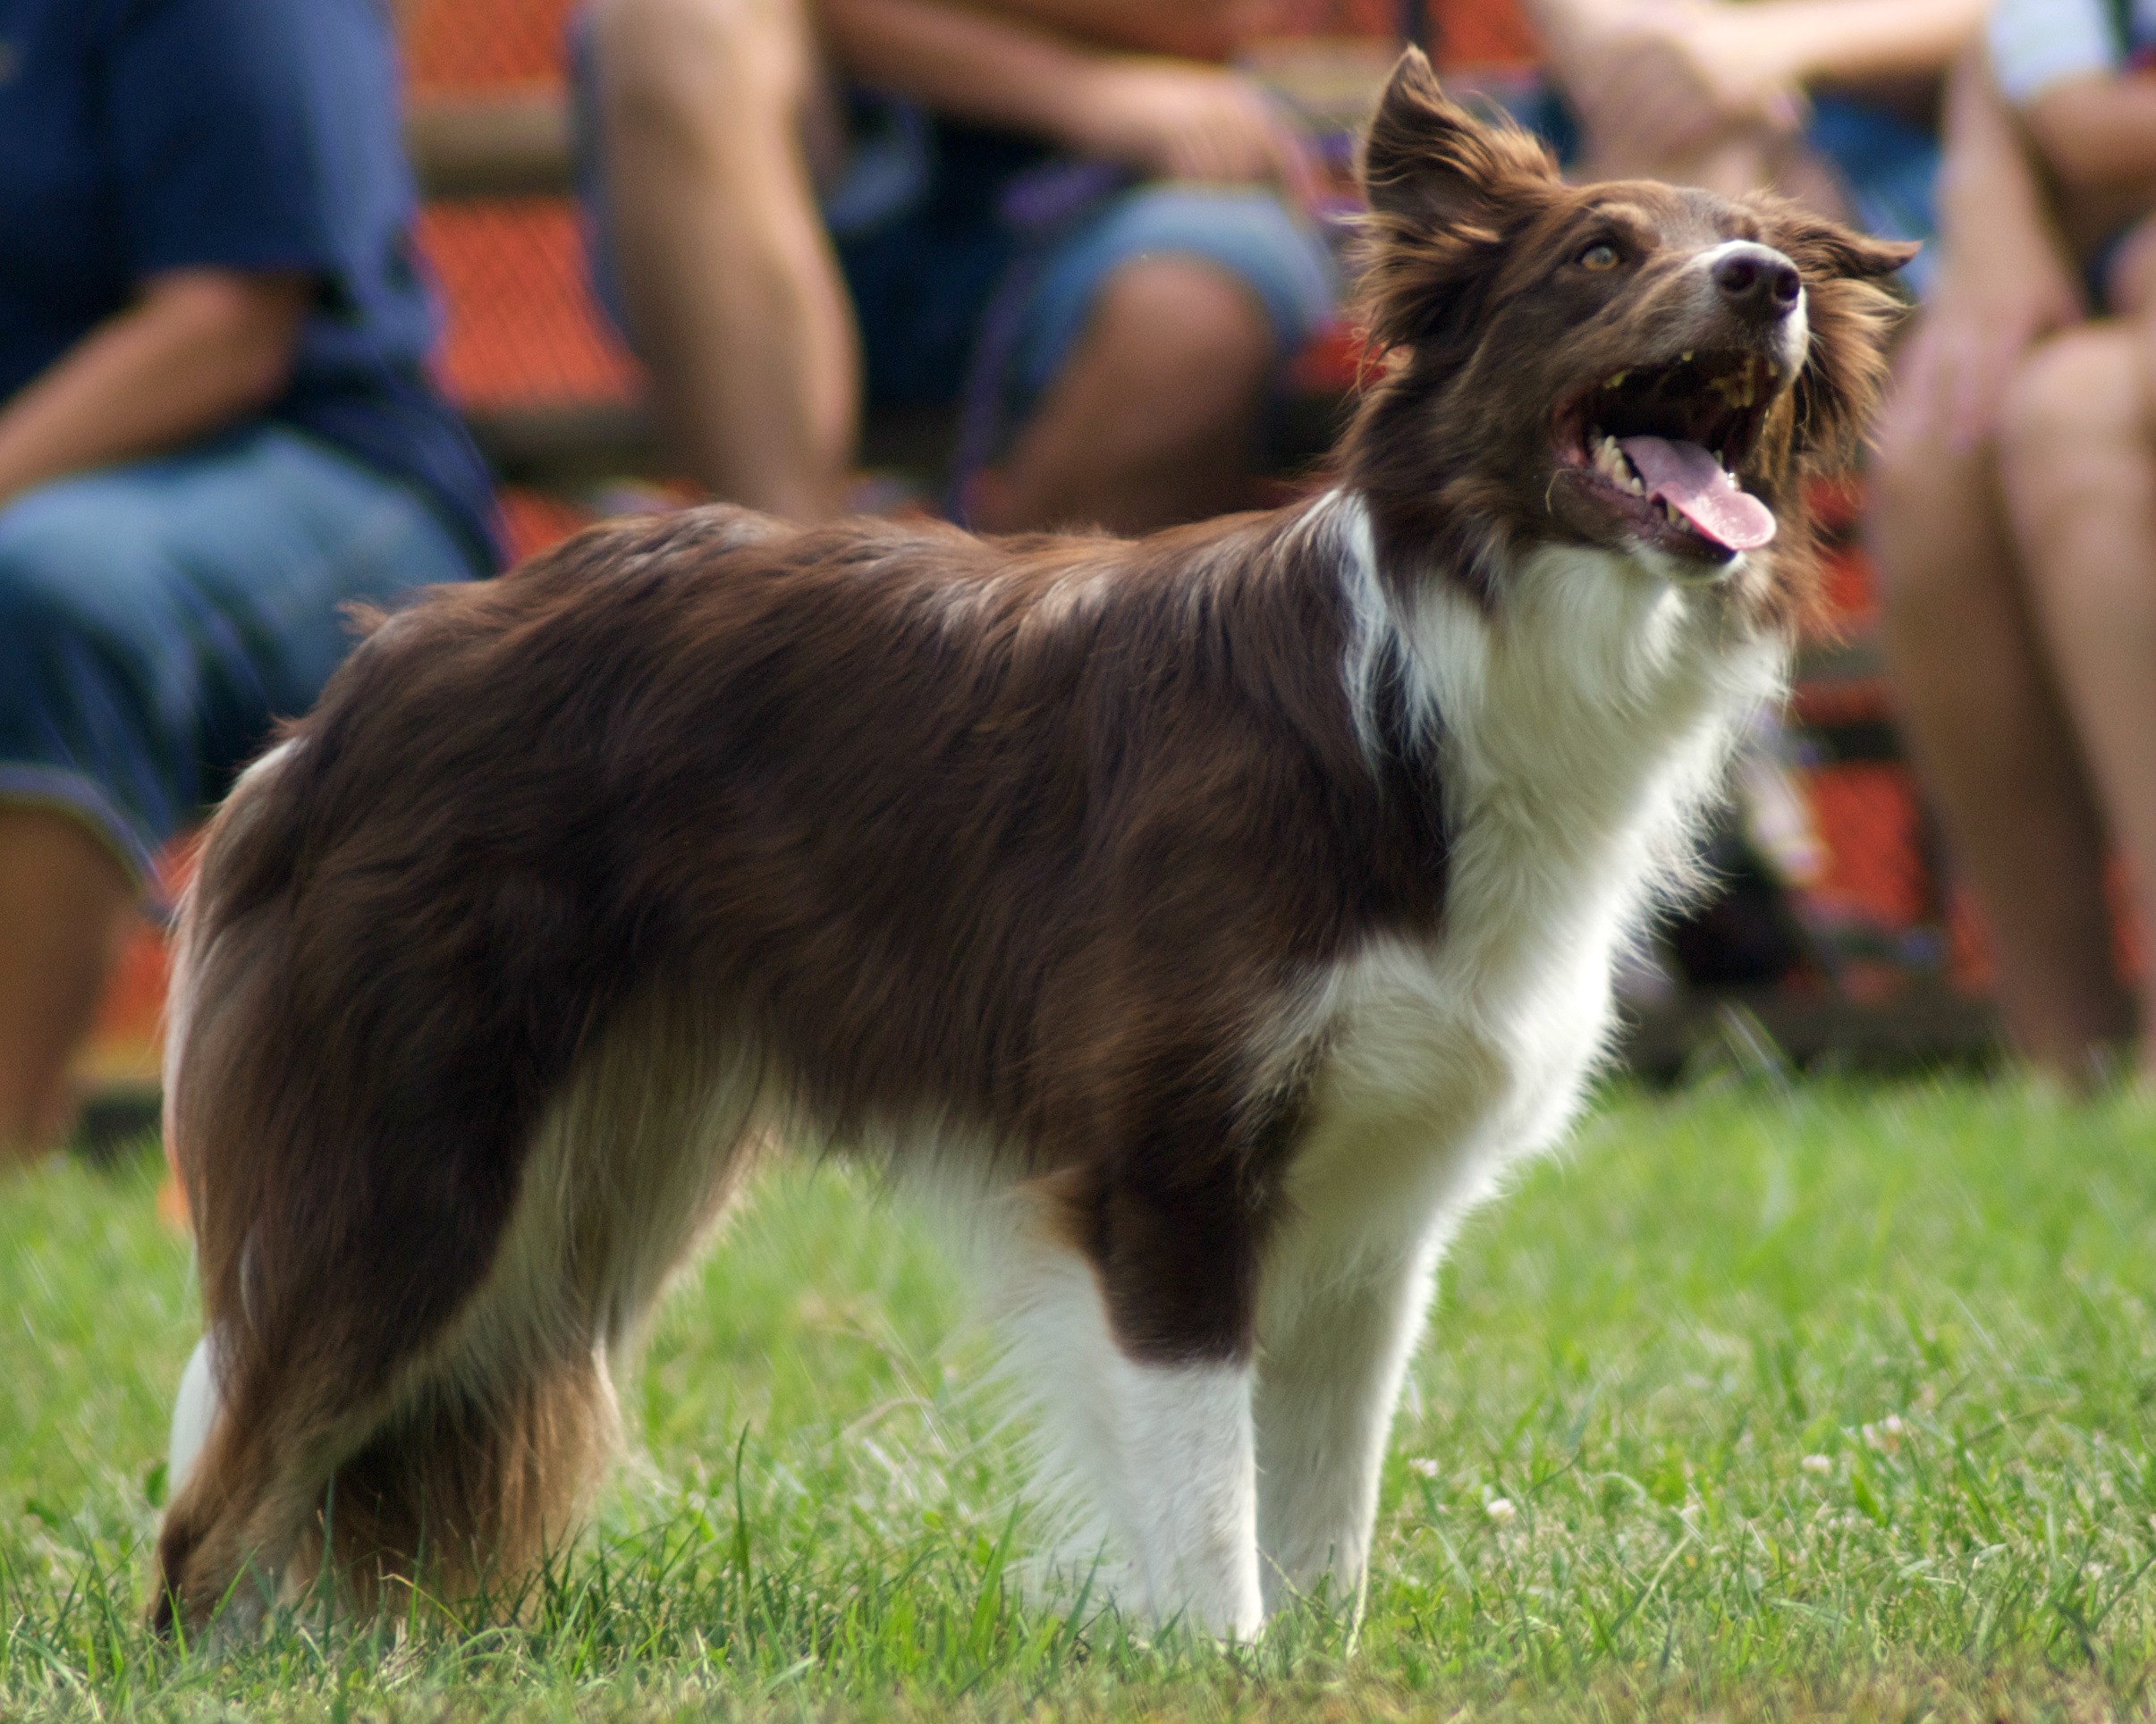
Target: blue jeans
point(155, 619)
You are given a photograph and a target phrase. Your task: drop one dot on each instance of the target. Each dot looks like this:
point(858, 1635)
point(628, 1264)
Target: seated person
point(1828, 101)
point(2015, 521)
point(1113, 329)
point(215, 432)
point(2077, 74)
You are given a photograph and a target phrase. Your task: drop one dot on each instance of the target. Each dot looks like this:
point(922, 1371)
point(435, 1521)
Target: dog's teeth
point(1634, 487)
point(1616, 380)
point(1684, 358)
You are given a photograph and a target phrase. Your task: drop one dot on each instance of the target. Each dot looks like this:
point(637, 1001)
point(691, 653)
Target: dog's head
point(1628, 366)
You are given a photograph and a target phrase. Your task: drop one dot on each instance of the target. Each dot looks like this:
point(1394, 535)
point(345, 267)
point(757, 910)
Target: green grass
point(1807, 1403)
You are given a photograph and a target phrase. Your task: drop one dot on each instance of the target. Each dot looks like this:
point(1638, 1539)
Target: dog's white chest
point(1578, 735)
point(1451, 1059)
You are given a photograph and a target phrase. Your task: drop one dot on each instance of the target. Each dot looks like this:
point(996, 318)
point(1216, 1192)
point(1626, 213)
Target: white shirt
point(2035, 44)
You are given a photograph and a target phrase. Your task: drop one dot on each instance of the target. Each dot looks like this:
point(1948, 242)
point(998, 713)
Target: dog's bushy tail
point(340, 1434)
point(358, 1047)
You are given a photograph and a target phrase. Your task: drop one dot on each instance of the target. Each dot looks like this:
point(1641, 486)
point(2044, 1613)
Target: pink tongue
point(1692, 482)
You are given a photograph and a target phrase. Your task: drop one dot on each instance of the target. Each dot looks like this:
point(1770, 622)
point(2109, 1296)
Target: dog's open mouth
point(1660, 446)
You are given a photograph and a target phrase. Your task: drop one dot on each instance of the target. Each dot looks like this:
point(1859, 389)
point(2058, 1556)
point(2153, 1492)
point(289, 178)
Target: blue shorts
point(157, 618)
point(926, 281)
point(934, 242)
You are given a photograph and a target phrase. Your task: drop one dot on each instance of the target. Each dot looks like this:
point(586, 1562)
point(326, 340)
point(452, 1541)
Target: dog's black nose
point(1757, 282)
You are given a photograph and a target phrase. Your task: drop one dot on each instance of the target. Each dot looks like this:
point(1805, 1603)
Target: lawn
point(1757, 1402)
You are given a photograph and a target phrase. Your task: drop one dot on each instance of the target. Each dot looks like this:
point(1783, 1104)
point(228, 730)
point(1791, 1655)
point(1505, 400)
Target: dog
point(1210, 919)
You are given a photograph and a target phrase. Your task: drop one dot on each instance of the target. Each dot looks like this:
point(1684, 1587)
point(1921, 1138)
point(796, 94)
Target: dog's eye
point(1601, 255)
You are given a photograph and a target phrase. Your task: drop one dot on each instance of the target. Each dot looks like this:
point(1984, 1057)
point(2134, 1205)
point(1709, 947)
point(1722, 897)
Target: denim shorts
point(157, 618)
point(923, 281)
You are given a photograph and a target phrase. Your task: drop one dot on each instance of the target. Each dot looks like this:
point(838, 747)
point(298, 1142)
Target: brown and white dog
point(1217, 914)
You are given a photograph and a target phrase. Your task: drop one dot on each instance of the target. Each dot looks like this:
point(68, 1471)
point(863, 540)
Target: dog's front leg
point(1131, 1315)
point(1335, 1343)
point(1177, 1268)
point(1190, 1508)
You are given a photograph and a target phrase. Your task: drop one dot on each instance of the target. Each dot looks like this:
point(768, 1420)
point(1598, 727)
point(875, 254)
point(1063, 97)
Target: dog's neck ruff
point(1583, 671)
point(1578, 726)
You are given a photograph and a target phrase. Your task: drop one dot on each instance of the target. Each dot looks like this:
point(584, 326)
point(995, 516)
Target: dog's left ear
point(1430, 164)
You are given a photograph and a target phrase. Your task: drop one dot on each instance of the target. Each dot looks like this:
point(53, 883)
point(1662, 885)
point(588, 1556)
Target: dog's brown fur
point(1037, 841)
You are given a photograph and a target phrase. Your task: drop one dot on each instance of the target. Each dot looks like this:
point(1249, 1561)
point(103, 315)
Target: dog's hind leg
point(252, 1488)
point(466, 1489)
point(459, 1455)
point(502, 1424)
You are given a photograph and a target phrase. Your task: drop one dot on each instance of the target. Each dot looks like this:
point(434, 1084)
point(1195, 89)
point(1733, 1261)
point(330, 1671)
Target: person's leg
point(727, 275)
point(1147, 352)
point(1154, 420)
point(63, 903)
point(2080, 472)
point(1989, 737)
point(154, 619)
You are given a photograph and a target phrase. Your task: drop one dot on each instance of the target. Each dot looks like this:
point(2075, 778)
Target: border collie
point(1213, 917)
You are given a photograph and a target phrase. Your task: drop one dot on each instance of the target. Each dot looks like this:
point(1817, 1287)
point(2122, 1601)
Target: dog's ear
point(1446, 192)
point(1823, 249)
point(1429, 162)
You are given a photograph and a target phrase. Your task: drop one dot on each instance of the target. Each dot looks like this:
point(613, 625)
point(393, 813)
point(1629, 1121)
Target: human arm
point(1654, 79)
point(200, 349)
point(1175, 118)
point(1195, 29)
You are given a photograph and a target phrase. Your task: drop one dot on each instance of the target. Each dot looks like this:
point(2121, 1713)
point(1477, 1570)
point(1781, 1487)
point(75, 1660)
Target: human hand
point(1662, 79)
point(1182, 120)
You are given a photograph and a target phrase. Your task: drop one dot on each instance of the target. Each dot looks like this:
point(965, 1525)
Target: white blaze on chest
point(1580, 725)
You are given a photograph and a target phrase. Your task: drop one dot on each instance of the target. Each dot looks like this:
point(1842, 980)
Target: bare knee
point(2080, 390)
point(1187, 332)
point(1153, 418)
point(688, 65)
